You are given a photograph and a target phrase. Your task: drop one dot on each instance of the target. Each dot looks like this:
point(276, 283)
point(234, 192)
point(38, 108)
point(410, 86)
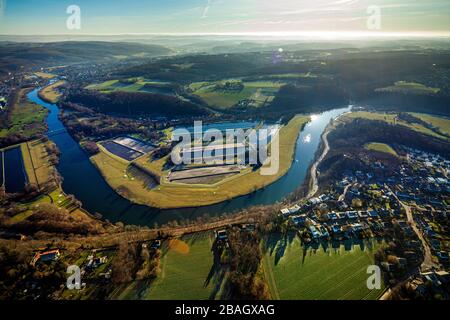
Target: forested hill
point(313, 80)
point(15, 55)
point(137, 103)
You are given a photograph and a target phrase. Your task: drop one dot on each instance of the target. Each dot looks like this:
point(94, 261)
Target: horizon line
point(321, 34)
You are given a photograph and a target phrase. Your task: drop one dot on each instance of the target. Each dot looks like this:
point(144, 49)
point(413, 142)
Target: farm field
point(50, 93)
point(44, 75)
point(292, 273)
point(391, 118)
point(133, 85)
point(381, 147)
point(26, 118)
point(132, 183)
point(36, 162)
point(259, 92)
point(440, 123)
point(287, 76)
point(409, 87)
point(187, 272)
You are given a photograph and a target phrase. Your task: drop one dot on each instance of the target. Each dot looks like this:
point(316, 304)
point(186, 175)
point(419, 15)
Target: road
point(428, 261)
point(342, 196)
point(313, 185)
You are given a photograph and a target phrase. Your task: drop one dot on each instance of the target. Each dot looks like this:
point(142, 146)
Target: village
point(410, 207)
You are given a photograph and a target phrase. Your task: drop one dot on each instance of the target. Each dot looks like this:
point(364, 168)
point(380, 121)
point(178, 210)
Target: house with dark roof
point(299, 220)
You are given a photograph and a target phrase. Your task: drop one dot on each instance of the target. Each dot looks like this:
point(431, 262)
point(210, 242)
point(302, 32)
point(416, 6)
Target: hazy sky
point(221, 16)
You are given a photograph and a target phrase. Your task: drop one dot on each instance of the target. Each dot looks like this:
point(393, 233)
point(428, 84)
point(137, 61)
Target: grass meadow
point(380, 147)
point(294, 273)
point(187, 272)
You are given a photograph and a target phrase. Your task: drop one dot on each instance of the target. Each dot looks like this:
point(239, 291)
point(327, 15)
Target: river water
point(83, 180)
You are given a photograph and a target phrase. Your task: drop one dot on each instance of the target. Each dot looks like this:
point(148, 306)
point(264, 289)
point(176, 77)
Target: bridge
point(56, 132)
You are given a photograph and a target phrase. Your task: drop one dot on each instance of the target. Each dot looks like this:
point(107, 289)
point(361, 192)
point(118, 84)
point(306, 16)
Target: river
point(83, 180)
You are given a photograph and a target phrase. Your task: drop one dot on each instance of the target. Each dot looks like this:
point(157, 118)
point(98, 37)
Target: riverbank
point(324, 148)
point(132, 185)
point(313, 185)
point(49, 93)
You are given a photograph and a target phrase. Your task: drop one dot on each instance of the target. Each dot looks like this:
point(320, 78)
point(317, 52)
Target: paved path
point(313, 185)
point(342, 196)
point(428, 261)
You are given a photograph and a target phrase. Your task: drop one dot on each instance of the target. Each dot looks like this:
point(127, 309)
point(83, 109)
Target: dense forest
point(307, 99)
point(136, 103)
point(199, 67)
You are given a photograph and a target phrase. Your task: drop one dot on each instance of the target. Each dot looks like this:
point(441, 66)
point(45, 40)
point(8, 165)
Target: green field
point(380, 147)
point(336, 274)
point(187, 272)
point(291, 76)
point(409, 87)
point(133, 85)
point(26, 118)
point(259, 92)
point(440, 123)
point(44, 75)
point(392, 118)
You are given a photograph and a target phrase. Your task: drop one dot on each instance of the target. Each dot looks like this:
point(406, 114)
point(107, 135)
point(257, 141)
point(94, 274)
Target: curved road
point(428, 261)
point(313, 185)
